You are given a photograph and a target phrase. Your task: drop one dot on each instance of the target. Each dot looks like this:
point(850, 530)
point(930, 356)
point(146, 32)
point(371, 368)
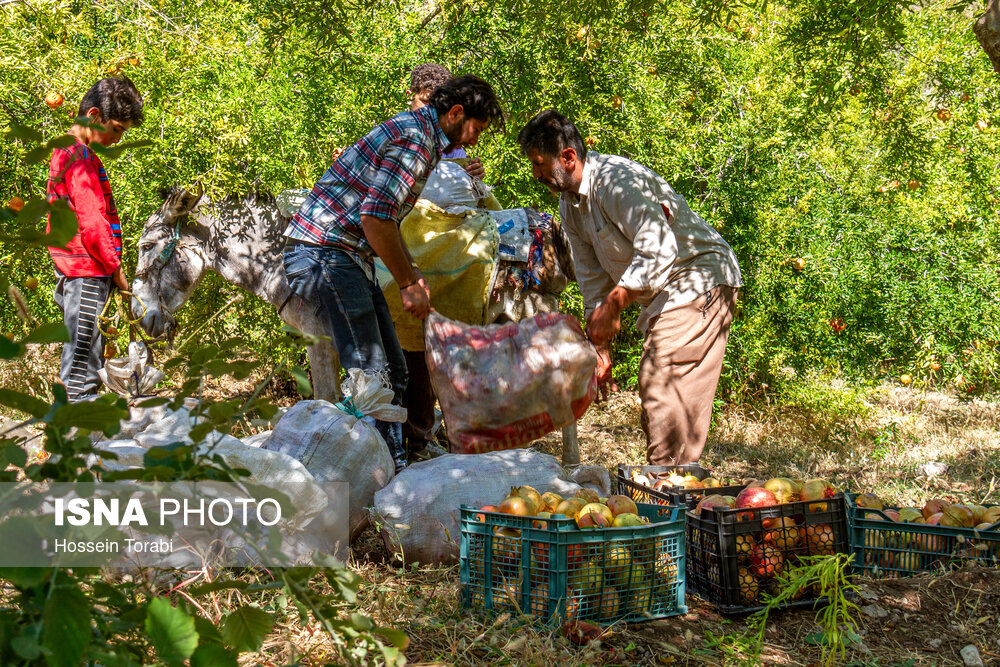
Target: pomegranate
point(541, 525)
point(515, 505)
point(621, 505)
point(753, 497)
point(587, 579)
point(869, 500)
point(711, 483)
point(782, 488)
point(992, 514)
point(817, 489)
point(570, 507)
point(588, 495)
point(958, 516)
point(934, 519)
point(539, 559)
point(749, 589)
point(486, 508)
point(691, 482)
point(641, 479)
point(934, 506)
point(892, 515)
point(617, 559)
point(551, 501)
point(765, 561)
point(591, 519)
point(538, 601)
point(820, 539)
point(600, 509)
point(534, 498)
point(663, 485)
point(712, 501)
point(628, 521)
point(745, 544)
point(911, 515)
point(607, 605)
point(977, 510)
point(784, 534)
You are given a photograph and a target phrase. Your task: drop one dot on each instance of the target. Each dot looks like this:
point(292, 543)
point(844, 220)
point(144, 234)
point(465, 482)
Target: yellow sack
point(457, 255)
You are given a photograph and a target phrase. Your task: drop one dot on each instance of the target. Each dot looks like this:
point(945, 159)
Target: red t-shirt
point(76, 175)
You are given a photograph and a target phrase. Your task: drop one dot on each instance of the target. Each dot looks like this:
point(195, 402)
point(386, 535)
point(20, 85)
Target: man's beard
point(561, 179)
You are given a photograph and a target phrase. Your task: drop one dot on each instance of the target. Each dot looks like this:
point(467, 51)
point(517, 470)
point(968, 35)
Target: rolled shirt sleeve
point(404, 160)
point(83, 184)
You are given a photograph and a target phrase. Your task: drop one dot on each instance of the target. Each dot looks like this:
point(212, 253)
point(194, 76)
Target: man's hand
point(475, 168)
point(605, 382)
point(416, 300)
point(119, 279)
point(603, 324)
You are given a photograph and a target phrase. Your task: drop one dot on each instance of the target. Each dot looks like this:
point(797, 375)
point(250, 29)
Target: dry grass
point(871, 439)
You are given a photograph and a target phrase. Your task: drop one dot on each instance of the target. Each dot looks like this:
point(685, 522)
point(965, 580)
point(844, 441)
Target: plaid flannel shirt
point(380, 176)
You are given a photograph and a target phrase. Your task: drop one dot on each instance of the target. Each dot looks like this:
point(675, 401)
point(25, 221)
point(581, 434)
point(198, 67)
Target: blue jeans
point(332, 282)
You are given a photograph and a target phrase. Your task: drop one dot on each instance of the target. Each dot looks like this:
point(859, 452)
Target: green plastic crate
point(887, 549)
point(555, 571)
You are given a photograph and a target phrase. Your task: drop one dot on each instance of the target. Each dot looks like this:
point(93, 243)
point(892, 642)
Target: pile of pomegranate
point(673, 480)
point(774, 539)
point(900, 550)
point(606, 580)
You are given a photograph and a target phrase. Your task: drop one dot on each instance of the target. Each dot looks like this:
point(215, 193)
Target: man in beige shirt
point(636, 240)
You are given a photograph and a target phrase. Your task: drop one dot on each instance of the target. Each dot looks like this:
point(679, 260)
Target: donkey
point(241, 240)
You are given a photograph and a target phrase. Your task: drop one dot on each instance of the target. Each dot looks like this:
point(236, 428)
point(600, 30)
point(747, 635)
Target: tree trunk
point(987, 31)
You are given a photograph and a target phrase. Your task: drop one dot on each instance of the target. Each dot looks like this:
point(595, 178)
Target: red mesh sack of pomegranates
point(504, 385)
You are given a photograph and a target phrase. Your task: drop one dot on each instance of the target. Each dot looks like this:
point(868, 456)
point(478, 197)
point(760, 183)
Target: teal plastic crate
point(887, 549)
point(553, 570)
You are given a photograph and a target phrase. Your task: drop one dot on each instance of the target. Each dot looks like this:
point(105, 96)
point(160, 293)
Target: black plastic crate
point(555, 571)
point(734, 554)
point(888, 549)
point(674, 495)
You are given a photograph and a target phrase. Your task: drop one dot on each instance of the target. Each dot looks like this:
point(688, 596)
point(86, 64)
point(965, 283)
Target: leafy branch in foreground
point(828, 578)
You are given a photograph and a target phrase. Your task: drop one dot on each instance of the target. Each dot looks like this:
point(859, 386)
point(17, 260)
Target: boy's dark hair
point(428, 76)
point(116, 98)
point(475, 95)
point(548, 133)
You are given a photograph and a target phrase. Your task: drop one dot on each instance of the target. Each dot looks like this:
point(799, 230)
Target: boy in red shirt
point(91, 261)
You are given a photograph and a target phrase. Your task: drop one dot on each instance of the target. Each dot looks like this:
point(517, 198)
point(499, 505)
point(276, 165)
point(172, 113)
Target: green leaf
point(65, 141)
point(217, 586)
point(96, 415)
point(63, 224)
point(26, 647)
point(153, 402)
point(213, 655)
point(171, 631)
point(24, 133)
point(15, 399)
point(302, 380)
point(25, 577)
point(246, 628)
point(115, 151)
point(397, 638)
point(54, 332)
point(67, 625)
point(37, 154)
point(208, 633)
point(9, 349)
point(16, 455)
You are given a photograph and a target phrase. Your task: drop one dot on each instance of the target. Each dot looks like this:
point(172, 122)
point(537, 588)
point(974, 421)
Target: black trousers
point(81, 300)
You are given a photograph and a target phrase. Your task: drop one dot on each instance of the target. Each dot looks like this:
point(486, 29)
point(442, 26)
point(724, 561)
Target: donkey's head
point(170, 262)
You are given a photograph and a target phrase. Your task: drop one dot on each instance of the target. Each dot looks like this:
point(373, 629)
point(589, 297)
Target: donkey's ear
point(180, 202)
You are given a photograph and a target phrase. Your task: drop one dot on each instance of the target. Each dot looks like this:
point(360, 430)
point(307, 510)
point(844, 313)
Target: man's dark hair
point(475, 95)
point(428, 76)
point(548, 133)
point(116, 98)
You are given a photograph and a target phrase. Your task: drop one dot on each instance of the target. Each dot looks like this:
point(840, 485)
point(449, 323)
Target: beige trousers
point(679, 373)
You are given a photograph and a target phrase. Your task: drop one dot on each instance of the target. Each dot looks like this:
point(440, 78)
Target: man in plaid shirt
point(353, 213)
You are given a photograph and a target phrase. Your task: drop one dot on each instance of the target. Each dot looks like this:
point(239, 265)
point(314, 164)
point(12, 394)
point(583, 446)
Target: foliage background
point(796, 130)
